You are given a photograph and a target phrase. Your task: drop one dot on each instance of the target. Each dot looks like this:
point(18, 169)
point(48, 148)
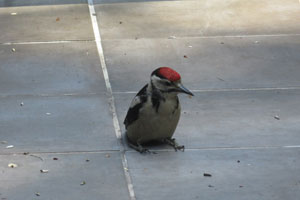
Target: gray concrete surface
point(242, 126)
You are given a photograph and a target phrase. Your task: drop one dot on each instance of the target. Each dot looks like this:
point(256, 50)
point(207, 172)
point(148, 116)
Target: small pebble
point(277, 117)
point(13, 49)
point(21, 104)
point(37, 194)
point(55, 158)
point(83, 183)
point(207, 175)
point(44, 171)
point(12, 165)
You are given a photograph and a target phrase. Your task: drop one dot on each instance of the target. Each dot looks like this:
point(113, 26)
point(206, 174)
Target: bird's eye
point(167, 83)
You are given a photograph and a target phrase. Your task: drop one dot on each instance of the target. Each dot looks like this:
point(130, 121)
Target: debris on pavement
point(172, 37)
point(83, 183)
point(55, 158)
point(190, 46)
point(10, 146)
point(13, 13)
point(44, 170)
point(211, 186)
point(87, 160)
point(57, 19)
point(22, 104)
point(185, 56)
point(220, 79)
point(25, 153)
point(238, 161)
point(13, 49)
point(37, 157)
point(207, 175)
point(48, 113)
point(277, 117)
point(120, 22)
point(12, 165)
point(107, 155)
point(3, 142)
point(37, 194)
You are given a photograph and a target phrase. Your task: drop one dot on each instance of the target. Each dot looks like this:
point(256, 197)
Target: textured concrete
point(45, 23)
point(211, 63)
point(59, 123)
point(64, 180)
point(269, 174)
point(50, 69)
point(162, 19)
point(240, 58)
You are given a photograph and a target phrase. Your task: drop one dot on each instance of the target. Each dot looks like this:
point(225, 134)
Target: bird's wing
point(135, 106)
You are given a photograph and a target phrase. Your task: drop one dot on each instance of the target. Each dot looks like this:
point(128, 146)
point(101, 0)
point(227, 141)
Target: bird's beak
point(183, 89)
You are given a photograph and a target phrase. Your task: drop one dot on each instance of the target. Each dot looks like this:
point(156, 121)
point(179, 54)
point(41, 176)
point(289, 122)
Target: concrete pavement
point(240, 58)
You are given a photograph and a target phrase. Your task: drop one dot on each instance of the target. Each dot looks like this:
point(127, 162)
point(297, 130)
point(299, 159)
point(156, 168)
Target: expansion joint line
point(110, 97)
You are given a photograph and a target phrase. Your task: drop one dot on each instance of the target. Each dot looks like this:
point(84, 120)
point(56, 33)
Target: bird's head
point(168, 80)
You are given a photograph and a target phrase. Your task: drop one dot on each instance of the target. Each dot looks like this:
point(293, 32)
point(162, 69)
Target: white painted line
point(227, 90)
point(111, 98)
point(224, 148)
point(246, 89)
point(46, 42)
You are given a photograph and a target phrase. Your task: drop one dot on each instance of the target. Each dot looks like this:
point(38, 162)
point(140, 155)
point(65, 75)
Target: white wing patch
point(135, 101)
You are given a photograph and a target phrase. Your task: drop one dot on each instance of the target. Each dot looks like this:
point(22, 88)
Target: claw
point(172, 142)
point(139, 148)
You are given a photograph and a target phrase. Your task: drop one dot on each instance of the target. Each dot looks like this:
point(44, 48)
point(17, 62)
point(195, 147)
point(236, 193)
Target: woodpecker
point(154, 112)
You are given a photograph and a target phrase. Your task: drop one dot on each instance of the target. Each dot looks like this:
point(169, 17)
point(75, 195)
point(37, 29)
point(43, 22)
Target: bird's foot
point(139, 148)
point(172, 142)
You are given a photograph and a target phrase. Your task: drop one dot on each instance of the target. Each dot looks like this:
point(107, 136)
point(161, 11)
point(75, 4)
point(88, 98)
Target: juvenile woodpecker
point(155, 110)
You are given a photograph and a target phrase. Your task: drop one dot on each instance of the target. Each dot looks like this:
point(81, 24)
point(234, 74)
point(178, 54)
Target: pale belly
point(154, 126)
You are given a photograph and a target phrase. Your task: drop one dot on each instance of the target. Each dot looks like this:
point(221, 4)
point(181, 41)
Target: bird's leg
point(172, 142)
point(138, 147)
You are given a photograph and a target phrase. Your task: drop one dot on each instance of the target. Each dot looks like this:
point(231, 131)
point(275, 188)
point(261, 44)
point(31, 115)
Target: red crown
point(169, 73)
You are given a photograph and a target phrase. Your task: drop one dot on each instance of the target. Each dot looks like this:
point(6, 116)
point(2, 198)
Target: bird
point(154, 112)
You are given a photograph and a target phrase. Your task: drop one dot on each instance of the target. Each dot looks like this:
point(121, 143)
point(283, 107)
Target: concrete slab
point(103, 177)
point(266, 174)
point(9, 3)
point(45, 23)
point(211, 63)
point(50, 69)
point(234, 118)
point(162, 19)
point(56, 124)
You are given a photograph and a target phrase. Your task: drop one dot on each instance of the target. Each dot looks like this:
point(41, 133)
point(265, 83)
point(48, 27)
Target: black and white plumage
point(155, 110)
